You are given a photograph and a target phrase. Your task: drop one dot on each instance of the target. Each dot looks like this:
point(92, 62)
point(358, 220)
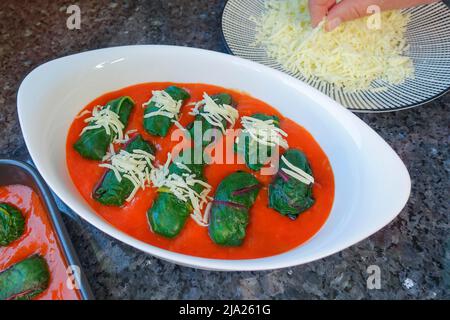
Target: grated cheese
point(296, 172)
point(111, 150)
point(352, 56)
point(133, 166)
point(264, 132)
point(182, 188)
point(167, 106)
point(126, 137)
point(215, 113)
point(103, 117)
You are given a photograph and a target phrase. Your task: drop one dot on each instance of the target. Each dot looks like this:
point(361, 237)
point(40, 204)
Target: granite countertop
point(413, 252)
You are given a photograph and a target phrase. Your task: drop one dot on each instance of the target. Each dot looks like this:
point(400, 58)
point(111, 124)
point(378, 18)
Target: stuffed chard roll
point(104, 126)
point(163, 110)
point(182, 192)
point(229, 215)
point(290, 193)
point(213, 113)
point(260, 135)
point(129, 170)
point(12, 224)
point(24, 280)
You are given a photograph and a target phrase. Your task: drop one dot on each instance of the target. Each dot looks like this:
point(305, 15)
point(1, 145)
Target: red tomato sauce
point(268, 233)
point(38, 238)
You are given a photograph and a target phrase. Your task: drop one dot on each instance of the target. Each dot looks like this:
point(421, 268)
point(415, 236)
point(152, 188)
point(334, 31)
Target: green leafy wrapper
point(159, 125)
point(12, 224)
point(229, 218)
point(287, 195)
point(255, 154)
point(93, 144)
point(168, 214)
point(24, 280)
point(220, 99)
point(111, 192)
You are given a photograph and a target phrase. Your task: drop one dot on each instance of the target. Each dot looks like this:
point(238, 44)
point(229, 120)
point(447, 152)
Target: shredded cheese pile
point(350, 57)
point(126, 136)
point(135, 166)
point(167, 106)
point(182, 188)
point(104, 117)
point(264, 132)
point(297, 173)
point(215, 113)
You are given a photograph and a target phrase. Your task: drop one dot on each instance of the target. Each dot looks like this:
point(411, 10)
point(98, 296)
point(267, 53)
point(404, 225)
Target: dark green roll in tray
point(12, 224)
point(93, 144)
point(256, 156)
point(287, 195)
point(220, 99)
point(229, 218)
point(159, 125)
point(24, 280)
point(168, 214)
point(110, 191)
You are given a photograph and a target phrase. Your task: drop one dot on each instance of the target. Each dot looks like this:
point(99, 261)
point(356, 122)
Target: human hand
point(347, 10)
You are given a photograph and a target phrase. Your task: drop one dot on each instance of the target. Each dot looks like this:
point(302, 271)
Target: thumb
point(318, 9)
point(347, 10)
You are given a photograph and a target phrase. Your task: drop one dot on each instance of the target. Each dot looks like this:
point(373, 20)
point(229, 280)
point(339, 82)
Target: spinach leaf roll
point(12, 224)
point(24, 280)
point(182, 192)
point(128, 171)
point(213, 112)
point(106, 125)
point(229, 218)
point(291, 191)
point(163, 109)
point(260, 135)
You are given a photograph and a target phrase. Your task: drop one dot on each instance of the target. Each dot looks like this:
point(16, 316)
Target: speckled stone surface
point(413, 252)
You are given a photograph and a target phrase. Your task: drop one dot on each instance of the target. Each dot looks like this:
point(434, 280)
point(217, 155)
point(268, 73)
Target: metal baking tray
point(16, 172)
